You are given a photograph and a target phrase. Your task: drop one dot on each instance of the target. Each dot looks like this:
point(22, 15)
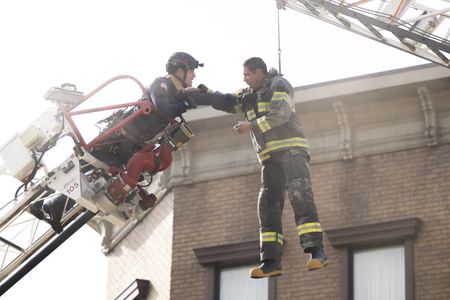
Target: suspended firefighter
point(282, 149)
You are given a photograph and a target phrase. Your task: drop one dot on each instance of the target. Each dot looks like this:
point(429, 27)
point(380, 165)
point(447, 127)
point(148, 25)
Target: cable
point(31, 176)
point(148, 184)
point(279, 35)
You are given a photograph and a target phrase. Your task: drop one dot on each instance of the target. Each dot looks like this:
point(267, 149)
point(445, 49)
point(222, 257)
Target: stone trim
point(228, 254)
point(373, 234)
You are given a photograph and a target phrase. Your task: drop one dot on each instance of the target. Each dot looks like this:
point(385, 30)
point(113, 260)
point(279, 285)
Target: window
point(377, 259)
point(379, 273)
point(235, 284)
point(227, 269)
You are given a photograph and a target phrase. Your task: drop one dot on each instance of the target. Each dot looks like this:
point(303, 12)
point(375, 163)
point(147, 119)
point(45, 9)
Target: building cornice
point(343, 119)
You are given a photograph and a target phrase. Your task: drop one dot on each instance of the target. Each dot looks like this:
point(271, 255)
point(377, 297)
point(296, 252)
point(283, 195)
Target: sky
point(86, 42)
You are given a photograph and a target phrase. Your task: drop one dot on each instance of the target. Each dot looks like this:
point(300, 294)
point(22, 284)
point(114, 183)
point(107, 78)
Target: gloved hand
point(190, 90)
point(247, 97)
point(200, 89)
point(189, 102)
point(203, 88)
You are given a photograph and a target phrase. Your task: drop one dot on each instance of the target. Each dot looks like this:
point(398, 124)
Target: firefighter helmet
point(181, 60)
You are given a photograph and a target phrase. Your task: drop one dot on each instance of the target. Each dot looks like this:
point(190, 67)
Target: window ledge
point(364, 235)
point(228, 254)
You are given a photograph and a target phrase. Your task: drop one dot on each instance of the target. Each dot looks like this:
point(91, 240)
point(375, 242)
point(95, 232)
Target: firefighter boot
point(36, 209)
point(317, 260)
point(55, 210)
point(268, 268)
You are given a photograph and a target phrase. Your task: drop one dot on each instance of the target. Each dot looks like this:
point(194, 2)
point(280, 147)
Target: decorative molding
point(186, 162)
point(392, 79)
point(431, 132)
point(180, 171)
point(363, 235)
point(105, 229)
point(346, 134)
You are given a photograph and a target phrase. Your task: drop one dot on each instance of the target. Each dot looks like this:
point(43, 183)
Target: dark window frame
point(214, 258)
point(370, 236)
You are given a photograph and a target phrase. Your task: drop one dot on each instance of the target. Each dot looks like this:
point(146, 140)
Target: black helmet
point(181, 60)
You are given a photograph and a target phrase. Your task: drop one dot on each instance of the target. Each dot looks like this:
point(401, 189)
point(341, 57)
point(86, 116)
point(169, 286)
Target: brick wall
point(146, 253)
point(410, 183)
point(207, 214)
point(397, 185)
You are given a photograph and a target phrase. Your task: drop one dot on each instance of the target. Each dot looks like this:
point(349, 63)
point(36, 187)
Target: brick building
point(381, 176)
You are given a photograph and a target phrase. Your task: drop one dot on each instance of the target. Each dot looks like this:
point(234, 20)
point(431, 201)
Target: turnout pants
point(287, 170)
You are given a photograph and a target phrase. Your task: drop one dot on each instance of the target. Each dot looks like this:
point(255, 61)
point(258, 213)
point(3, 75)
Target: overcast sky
point(49, 42)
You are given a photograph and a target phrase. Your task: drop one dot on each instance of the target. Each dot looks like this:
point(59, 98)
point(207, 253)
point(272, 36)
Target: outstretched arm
point(170, 110)
point(219, 101)
point(163, 94)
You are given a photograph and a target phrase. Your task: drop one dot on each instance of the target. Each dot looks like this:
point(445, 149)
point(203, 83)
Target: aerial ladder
point(421, 28)
point(106, 183)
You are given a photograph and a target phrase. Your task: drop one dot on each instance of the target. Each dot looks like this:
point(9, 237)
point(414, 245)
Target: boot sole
point(316, 265)
point(259, 274)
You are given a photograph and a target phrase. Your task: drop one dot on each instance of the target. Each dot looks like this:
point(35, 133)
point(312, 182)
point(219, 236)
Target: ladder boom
point(408, 25)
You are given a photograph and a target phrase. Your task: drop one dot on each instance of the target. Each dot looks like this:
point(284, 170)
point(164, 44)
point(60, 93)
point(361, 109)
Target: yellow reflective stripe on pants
point(309, 227)
point(271, 237)
point(263, 157)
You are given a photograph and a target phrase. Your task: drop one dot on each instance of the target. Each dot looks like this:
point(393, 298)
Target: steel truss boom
point(35, 260)
point(408, 25)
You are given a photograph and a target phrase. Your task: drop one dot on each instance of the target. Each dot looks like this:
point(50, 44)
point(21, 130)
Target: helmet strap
point(183, 81)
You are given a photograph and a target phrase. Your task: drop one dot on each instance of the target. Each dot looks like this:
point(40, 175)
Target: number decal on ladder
point(74, 186)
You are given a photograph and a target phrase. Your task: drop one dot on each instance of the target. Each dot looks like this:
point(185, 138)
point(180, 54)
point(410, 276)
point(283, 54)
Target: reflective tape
point(263, 125)
point(283, 96)
point(264, 106)
point(309, 227)
point(284, 143)
point(271, 236)
point(251, 114)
